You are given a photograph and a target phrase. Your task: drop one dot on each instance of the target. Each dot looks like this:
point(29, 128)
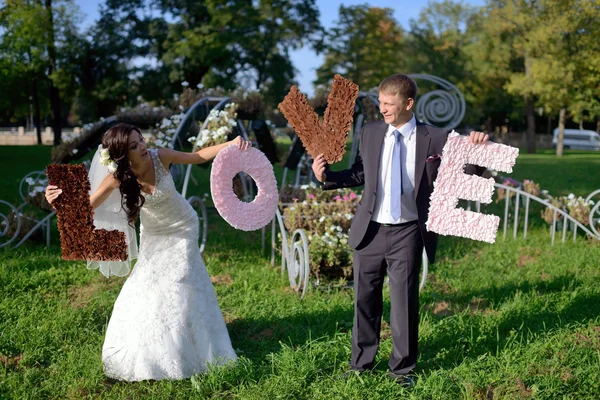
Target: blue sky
point(305, 60)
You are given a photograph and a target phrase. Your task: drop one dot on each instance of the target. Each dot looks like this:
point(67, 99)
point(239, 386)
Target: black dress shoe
point(407, 381)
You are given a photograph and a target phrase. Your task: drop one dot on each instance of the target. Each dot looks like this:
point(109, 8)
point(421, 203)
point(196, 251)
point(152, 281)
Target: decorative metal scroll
point(294, 254)
point(444, 108)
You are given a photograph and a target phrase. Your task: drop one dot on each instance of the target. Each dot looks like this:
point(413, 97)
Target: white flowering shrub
point(71, 140)
point(575, 206)
point(162, 134)
point(326, 216)
point(219, 124)
point(36, 189)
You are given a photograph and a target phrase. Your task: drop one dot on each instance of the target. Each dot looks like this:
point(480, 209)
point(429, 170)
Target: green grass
point(575, 172)
point(16, 162)
point(513, 320)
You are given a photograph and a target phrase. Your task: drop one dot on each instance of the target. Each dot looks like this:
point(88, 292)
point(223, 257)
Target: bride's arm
point(169, 156)
point(104, 190)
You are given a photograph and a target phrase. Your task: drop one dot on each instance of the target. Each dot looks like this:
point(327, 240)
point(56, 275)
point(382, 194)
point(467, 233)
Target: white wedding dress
point(166, 322)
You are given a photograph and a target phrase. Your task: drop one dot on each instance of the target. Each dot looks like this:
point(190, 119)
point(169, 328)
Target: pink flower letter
point(453, 184)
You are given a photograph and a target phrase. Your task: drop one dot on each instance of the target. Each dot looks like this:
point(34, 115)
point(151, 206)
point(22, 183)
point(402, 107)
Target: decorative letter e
point(453, 184)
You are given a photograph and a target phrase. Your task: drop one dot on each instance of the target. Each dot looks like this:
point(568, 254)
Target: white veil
point(110, 216)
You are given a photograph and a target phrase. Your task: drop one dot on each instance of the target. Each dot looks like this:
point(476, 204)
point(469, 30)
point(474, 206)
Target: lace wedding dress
point(166, 322)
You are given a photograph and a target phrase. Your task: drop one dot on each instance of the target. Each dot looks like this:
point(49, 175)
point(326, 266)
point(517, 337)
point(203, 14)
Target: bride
point(166, 322)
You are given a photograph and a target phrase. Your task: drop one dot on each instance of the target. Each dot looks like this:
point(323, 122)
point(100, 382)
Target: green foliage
point(24, 58)
point(365, 46)
point(245, 43)
point(517, 63)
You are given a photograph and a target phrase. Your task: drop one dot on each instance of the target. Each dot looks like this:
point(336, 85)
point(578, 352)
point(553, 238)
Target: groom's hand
point(318, 167)
point(478, 137)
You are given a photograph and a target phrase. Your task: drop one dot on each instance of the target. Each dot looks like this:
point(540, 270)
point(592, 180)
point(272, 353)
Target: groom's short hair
point(400, 85)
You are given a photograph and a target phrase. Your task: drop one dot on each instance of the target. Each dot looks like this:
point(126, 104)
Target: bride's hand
point(52, 192)
point(242, 143)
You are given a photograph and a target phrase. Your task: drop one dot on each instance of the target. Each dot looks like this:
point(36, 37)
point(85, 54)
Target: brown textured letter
point(328, 136)
point(79, 240)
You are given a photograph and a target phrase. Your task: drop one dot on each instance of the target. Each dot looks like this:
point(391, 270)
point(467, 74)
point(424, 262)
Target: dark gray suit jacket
point(365, 170)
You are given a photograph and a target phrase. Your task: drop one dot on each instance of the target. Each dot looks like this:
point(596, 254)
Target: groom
point(397, 163)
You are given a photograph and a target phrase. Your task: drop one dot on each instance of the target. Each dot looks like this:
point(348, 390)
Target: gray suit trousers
point(395, 250)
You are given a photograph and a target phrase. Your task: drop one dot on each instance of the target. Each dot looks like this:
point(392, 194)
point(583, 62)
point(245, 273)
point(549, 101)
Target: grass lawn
point(575, 172)
point(515, 320)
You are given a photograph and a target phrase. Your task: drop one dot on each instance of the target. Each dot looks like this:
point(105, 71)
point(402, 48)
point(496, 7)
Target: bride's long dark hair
point(116, 140)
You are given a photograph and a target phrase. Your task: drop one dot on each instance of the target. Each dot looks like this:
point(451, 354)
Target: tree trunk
point(54, 94)
point(581, 125)
point(598, 125)
point(488, 126)
point(36, 106)
point(561, 132)
point(530, 136)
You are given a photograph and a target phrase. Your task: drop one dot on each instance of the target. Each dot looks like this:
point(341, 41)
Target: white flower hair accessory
point(107, 161)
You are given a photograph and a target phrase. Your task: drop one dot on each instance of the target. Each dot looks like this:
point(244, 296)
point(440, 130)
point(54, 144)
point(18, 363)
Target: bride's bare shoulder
point(111, 182)
point(164, 156)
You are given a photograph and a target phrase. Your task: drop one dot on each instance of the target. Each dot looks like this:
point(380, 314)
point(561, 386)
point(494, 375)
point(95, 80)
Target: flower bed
point(576, 207)
point(326, 217)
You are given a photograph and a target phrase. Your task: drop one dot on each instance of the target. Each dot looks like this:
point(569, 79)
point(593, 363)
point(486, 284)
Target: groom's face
point(395, 110)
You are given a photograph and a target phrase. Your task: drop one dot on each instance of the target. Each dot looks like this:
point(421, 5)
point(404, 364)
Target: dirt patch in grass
point(76, 391)
point(580, 338)
point(386, 331)
point(265, 334)
point(567, 376)
point(524, 391)
point(10, 362)
point(80, 296)
point(289, 289)
point(224, 280)
point(478, 304)
point(442, 309)
point(525, 259)
point(528, 255)
point(484, 393)
point(441, 287)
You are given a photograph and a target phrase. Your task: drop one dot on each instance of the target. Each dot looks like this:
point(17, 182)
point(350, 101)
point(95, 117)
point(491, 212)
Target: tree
point(269, 32)
point(217, 43)
point(23, 57)
point(103, 63)
point(228, 43)
point(511, 28)
point(491, 60)
point(566, 74)
point(364, 46)
point(32, 40)
point(436, 44)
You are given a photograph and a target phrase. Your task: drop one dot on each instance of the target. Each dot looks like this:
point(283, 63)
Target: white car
point(579, 139)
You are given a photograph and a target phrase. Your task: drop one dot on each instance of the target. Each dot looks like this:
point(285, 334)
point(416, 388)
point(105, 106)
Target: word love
point(327, 136)
point(79, 240)
point(453, 184)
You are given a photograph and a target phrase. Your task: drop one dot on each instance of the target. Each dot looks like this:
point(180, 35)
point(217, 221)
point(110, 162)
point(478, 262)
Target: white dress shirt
point(408, 151)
